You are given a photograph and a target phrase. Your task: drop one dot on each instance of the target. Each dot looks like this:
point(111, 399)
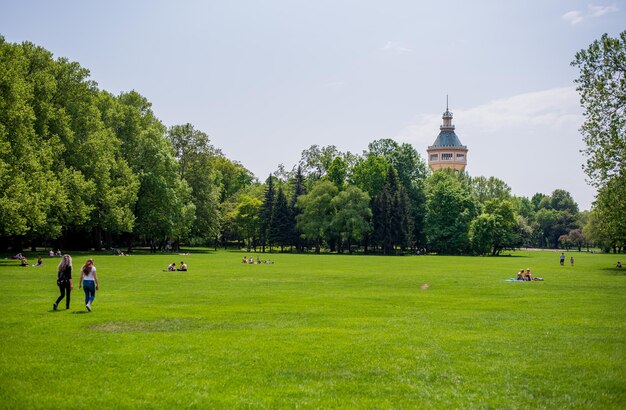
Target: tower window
point(460, 156)
point(434, 157)
point(446, 157)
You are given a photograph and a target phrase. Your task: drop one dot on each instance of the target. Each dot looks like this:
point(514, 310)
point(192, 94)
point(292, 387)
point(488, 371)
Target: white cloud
point(599, 11)
point(573, 17)
point(396, 47)
point(531, 141)
point(576, 16)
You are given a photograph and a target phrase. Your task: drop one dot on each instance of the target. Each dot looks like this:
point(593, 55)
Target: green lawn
point(318, 331)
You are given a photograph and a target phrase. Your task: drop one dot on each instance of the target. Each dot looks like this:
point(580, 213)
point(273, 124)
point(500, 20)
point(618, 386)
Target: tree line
point(386, 201)
point(82, 168)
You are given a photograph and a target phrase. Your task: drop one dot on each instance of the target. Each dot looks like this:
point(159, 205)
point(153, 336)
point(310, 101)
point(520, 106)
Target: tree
point(316, 212)
point(351, 219)
point(337, 172)
point(369, 174)
point(450, 208)
point(486, 189)
point(610, 207)
point(266, 211)
point(602, 89)
point(495, 229)
point(315, 161)
point(576, 238)
point(412, 172)
point(232, 176)
point(196, 159)
point(391, 214)
point(27, 183)
point(246, 216)
point(161, 195)
point(298, 190)
point(280, 226)
point(557, 215)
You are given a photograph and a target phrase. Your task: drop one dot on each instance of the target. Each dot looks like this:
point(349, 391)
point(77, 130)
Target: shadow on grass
point(80, 312)
point(614, 271)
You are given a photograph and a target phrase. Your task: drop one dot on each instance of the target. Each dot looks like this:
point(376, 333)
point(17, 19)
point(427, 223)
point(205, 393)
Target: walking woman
point(64, 281)
point(89, 282)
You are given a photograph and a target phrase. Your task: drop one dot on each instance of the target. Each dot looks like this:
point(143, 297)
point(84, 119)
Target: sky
point(268, 79)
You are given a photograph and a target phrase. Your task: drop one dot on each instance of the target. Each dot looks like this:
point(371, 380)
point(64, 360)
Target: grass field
point(317, 331)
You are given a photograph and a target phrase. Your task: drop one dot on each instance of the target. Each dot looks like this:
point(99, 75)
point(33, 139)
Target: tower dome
point(447, 150)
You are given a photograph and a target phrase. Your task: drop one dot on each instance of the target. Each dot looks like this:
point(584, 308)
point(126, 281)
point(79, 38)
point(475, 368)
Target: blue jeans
point(89, 286)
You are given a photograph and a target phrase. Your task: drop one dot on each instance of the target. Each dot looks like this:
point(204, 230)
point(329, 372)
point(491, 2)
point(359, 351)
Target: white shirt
point(90, 275)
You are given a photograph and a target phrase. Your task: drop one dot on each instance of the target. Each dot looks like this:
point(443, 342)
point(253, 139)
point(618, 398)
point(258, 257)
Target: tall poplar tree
point(279, 229)
point(265, 212)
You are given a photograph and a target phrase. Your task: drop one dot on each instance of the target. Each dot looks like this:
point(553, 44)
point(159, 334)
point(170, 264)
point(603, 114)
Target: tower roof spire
point(446, 102)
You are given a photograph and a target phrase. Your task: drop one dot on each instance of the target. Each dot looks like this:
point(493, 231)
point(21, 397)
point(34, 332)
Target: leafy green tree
point(337, 172)
point(450, 208)
point(481, 233)
point(196, 159)
point(523, 206)
point(316, 212)
point(610, 207)
point(602, 91)
point(27, 183)
point(369, 174)
point(560, 200)
point(597, 232)
point(490, 188)
point(495, 229)
point(161, 207)
point(246, 216)
point(233, 177)
point(352, 215)
point(603, 96)
point(557, 215)
point(316, 160)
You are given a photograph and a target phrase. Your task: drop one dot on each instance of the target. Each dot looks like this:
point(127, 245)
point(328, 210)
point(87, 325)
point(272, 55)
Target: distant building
point(447, 150)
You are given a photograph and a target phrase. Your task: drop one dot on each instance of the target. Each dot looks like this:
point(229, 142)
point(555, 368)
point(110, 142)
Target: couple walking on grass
point(88, 281)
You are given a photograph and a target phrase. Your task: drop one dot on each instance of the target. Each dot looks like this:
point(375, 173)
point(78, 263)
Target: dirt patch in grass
point(170, 325)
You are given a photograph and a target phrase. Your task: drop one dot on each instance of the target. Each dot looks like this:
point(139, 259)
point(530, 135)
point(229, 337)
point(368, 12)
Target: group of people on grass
point(251, 260)
point(526, 275)
point(182, 267)
point(24, 261)
point(88, 281)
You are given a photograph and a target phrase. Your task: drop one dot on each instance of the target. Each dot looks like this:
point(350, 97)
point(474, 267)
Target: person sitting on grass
point(172, 267)
point(528, 276)
point(520, 274)
point(619, 265)
point(39, 262)
point(251, 261)
point(23, 261)
point(244, 260)
point(183, 266)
